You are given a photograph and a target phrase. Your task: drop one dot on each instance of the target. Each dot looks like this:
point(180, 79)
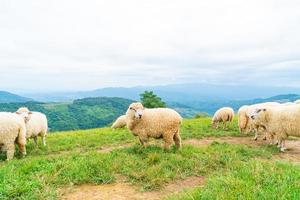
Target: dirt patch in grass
point(292, 153)
point(112, 148)
point(124, 191)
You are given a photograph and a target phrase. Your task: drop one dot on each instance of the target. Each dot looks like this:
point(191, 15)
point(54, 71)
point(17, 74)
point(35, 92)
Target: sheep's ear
point(30, 113)
point(17, 112)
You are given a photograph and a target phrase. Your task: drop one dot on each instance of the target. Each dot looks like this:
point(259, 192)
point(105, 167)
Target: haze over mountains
point(180, 93)
point(100, 107)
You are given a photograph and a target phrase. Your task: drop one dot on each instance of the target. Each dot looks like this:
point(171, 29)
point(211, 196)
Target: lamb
point(245, 123)
point(36, 124)
point(223, 115)
point(282, 121)
point(155, 123)
point(120, 122)
point(12, 130)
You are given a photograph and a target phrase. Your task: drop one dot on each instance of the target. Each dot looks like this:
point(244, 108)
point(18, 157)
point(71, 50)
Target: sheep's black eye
point(130, 108)
point(258, 111)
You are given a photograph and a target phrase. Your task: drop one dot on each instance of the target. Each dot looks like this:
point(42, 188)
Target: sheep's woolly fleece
point(282, 121)
point(156, 123)
point(225, 114)
point(244, 122)
point(120, 122)
point(12, 129)
point(37, 124)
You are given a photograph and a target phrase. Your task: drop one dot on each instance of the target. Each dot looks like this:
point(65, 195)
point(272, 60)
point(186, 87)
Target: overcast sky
point(81, 45)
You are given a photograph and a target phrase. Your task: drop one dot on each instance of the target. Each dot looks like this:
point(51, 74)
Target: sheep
point(282, 121)
point(120, 122)
point(155, 123)
point(223, 115)
point(245, 123)
point(36, 124)
point(297, 101)
point(12, 130)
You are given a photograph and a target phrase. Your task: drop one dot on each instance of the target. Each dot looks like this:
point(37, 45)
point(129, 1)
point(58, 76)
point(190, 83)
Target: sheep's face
point(25, 115)
point(135, 111)
point(259, 115)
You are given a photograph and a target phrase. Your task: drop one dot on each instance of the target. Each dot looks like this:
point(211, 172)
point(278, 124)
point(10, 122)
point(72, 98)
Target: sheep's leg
point(177, 139)
point(10, 150)
point(143, 141)
point(168, 138)
point(256, 135)
point(22, 149)
point(44, 140)
point(35, 140)
point(282, 148)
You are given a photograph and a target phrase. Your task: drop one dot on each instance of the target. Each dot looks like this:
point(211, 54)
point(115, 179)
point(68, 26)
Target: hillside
point(97, 163)
point(80, 114)
point(6, 97)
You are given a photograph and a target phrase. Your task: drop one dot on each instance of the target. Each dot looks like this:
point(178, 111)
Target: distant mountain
point(174, 93)
point(212, 106)
point(6, 97)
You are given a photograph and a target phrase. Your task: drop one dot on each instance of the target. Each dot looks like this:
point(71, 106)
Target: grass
point(233, 171)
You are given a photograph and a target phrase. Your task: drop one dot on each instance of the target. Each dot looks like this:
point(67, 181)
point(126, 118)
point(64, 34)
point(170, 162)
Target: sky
point(62, 45)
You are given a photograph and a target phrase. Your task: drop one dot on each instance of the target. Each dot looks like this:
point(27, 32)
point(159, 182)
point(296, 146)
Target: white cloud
point(75, 45)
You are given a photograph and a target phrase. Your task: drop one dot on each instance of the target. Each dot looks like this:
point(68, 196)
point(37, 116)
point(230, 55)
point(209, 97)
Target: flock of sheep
point(16, 128)
point(276, 121)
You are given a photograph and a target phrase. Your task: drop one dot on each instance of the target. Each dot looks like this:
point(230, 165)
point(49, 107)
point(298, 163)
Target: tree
point(151, 100)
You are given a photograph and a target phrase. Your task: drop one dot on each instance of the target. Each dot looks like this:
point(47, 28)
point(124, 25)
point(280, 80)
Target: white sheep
point(120, 122)
point(223, 115)
point(245, 123)
point(282, 121)
point(155, 123)
point(297, 101)
point(12, 130)
point(36, 125)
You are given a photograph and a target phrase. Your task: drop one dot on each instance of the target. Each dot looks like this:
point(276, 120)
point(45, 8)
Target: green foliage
point(201, 115)
point(151, 100)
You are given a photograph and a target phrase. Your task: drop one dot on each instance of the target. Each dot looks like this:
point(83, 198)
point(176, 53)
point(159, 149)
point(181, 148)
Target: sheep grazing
point(120, 122)
point(223, 115)
point(297, 101)
point(36, 124)
point(154, 123)
point(12, 130)
point(282, 121)
point(245, 123)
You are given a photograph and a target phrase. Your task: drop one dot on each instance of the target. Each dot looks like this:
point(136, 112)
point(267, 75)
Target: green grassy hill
point(101, 156)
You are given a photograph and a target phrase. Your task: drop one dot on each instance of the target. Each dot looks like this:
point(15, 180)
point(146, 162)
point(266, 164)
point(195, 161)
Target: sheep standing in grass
point(120, 122)
point(155, 123)
point(36, 125)
point(245, 123)
point(223, 115)
point(297, 101)
point(282, 121)
point(12, 130)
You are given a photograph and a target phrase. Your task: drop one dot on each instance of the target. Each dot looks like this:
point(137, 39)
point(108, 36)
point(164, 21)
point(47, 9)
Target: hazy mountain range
point(173, 93)
point(188, 99)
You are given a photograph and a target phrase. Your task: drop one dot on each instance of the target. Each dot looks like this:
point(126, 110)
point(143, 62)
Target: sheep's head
point(135, 111)
point(24, 113)
point(259, 116)
point(214, 123)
